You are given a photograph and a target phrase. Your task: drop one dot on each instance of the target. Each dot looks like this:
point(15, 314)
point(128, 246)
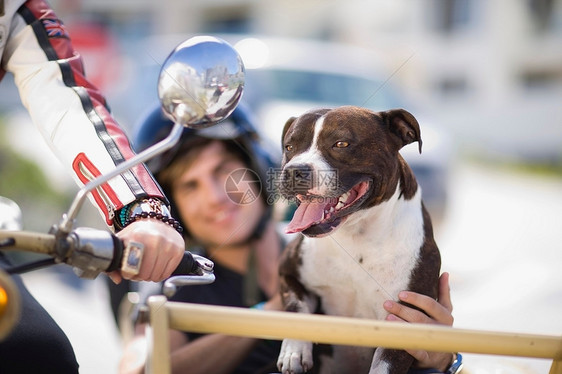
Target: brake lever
point(134, 309)
point(206, 276)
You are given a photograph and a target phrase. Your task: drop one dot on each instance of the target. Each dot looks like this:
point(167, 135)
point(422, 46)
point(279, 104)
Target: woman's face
point(204, 205)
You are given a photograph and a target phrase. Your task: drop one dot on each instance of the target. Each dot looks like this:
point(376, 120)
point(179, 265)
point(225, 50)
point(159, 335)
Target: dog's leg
point(296, 355)
point(390, 361)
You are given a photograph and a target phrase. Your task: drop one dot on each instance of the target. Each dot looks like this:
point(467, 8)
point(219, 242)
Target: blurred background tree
point(23, 181)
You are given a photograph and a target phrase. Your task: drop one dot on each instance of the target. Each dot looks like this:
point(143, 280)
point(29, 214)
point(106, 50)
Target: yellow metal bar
point(556, 367)
point(359, 332)
point(158, 360)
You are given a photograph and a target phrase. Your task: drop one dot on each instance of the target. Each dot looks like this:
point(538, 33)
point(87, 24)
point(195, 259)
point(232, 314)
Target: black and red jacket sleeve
point(70, 112)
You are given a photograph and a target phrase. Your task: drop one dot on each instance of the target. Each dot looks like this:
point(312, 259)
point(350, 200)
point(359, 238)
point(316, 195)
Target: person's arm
point(75, 121)
point(436, 312)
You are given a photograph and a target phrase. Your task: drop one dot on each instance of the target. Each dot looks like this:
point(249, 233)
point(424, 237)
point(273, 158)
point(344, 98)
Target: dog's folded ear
point(404, 127)
point(286, 127)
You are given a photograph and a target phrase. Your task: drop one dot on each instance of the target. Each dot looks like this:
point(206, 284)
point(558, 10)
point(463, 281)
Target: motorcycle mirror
point(10, 215)
point(201, 82)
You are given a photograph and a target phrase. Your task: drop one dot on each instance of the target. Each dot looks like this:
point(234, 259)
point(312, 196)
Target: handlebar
point(90, 251)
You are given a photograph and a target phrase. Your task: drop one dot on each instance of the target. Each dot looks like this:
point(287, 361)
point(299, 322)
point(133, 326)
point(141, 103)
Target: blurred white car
point(285, 77)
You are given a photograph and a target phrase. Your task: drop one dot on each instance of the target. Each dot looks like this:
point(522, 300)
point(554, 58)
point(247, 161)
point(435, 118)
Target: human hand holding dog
point(436, 312)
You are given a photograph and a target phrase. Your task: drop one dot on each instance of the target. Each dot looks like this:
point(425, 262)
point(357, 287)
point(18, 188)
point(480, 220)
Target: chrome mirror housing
point(201, 82)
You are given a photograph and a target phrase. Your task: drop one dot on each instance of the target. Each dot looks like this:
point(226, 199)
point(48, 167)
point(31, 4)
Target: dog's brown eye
point(341, 144)
point(289, 147)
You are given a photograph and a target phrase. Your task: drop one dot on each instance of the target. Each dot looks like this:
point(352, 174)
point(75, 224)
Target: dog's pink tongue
point(307, 214)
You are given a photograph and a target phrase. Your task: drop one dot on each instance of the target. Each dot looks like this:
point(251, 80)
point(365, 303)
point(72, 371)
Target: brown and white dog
point(367, 235)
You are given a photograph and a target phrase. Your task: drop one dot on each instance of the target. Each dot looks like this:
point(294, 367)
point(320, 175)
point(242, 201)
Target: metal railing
point(199, 318)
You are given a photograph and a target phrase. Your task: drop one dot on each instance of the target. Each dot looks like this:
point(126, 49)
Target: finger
point(423, 358)
point(166, 251)
point(406, 313)
point(437, 312)
point(445, 292)
point(166, 260)
point(163, 249)
point(159, 267)
point(115, 277)
point(394, 318)
point(176, 248)
point(128, 235)
point(169, 269)
point(149, 263)
point(173, 255)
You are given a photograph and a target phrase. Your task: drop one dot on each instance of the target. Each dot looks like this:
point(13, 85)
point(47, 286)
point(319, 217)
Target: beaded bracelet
point(162, 217)
point(259, 306)
point(146, 208)
point(123, 216)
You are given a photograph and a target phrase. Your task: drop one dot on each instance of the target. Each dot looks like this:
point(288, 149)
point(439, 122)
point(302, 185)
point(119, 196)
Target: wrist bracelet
point(145, 205)
point(146, 208)
point(456, 366)
point(167, 220)
point(258, 306)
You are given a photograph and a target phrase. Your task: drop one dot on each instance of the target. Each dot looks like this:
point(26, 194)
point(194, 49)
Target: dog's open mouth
point(318, 215)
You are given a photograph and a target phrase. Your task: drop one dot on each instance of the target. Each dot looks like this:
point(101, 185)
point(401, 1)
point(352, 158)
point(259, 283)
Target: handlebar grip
point(187, 266)
point(118, 248)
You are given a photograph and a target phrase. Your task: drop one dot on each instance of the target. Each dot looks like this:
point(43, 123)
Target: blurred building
point(491, 70)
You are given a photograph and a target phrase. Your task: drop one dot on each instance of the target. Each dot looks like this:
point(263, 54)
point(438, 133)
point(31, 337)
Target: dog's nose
point(298, 178)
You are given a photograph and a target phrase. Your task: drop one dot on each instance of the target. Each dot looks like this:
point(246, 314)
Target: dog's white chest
point(353, 282)
point(354, 273)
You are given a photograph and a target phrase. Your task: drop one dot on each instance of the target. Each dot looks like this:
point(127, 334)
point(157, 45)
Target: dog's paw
point(295, 357)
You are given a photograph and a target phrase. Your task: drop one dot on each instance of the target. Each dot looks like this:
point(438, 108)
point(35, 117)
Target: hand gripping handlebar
point(90, 251)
